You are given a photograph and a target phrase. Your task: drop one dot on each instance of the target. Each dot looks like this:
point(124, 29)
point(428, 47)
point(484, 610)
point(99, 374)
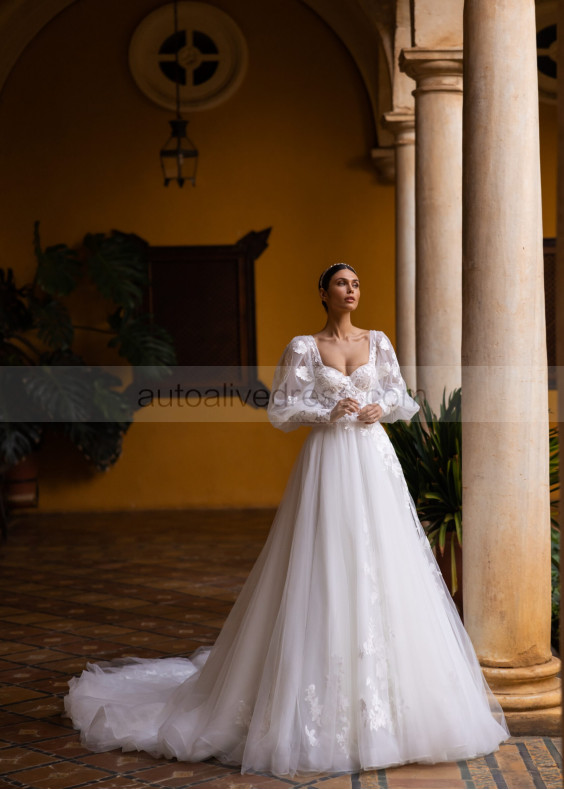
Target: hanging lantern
point(179, 156)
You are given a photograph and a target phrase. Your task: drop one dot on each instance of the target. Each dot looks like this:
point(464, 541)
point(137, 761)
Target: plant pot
point(443, 561)
point(21, 485)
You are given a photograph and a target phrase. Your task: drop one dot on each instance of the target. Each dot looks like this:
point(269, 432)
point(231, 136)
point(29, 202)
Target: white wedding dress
point(344, 650)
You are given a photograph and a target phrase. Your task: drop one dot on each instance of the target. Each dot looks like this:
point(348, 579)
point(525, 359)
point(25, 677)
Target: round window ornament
point(211, 51)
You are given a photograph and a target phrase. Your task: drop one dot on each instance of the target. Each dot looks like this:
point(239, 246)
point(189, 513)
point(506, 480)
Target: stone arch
point(363, 26)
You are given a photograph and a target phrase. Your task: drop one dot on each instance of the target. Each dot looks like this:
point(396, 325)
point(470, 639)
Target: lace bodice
point(305, 390)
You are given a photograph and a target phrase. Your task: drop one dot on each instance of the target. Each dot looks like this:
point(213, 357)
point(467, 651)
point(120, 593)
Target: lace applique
point(343, 706)
point(318, 714)
point(368, 569)
point(369, 646)
point(374, 647)
point(374, 713)
point(385, 367)
point(387, 452)
point(299, 346)
point(312, 736)
point(308, 417)
point(321, 387)
point(383, 343)
point(303, 373)
point(342, 736)
point(315, 709)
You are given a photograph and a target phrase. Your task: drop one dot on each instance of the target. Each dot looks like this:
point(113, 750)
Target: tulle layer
point(344, 650)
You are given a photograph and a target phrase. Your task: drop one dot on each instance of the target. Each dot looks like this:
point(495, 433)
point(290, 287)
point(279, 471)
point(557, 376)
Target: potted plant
point(45, 383)
point(429, 450)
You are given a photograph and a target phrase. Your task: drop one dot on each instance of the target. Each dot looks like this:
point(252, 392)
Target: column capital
point(434, 70)
point(401, 123)
point(384, 160)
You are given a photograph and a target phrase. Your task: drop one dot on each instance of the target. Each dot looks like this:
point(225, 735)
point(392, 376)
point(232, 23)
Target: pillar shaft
point(506, 543)
point(402, 124)
point(438, 195)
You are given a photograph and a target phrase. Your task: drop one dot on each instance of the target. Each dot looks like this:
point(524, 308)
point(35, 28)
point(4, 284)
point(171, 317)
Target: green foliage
point(117, 265)
point(58, 267)
point(143, 343)
point(99, 442)
point(429, 450)
point(14, 313)
point(53, 323)
point(50, 379)
point(18, 440)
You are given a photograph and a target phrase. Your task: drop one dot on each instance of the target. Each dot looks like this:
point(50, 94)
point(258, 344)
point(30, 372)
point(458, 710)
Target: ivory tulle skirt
point(344, 650)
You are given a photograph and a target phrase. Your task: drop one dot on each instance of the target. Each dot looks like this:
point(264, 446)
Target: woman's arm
point(292, 399)
point(395, 401)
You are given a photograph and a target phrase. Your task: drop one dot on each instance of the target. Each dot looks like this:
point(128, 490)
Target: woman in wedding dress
point(344, 650)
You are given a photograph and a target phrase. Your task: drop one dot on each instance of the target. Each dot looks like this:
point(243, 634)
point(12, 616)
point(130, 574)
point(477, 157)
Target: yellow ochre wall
point(549, 157)
point(79, 151)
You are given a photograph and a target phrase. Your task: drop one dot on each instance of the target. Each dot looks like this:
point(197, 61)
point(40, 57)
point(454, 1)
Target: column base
point(535, 722)
point(531, 696)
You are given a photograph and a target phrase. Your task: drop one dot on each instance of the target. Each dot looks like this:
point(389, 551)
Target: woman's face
point(343, 291)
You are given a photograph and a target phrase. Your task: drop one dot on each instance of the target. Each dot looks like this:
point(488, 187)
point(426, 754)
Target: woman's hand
point(370, 413)
point(342, 407)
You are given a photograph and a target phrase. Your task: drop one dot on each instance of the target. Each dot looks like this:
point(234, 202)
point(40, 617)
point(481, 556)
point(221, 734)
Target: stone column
point(506, 544)
point(560, 302)
point(438, 212)
point(402, 124)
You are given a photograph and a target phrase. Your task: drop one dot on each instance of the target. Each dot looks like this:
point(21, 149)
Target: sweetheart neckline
point(345, 375)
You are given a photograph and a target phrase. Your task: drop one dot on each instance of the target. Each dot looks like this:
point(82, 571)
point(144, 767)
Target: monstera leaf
point(54, 325)
point(15, 315)
point(58, 267)
point(18, 438)
point(17, 441)
point(118, 266)
point(143, 343)
point(55, 388)
point(63, 393)
point(99, 442)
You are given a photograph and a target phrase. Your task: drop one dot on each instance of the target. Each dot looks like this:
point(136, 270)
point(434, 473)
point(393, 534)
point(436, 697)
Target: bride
point(344, 650)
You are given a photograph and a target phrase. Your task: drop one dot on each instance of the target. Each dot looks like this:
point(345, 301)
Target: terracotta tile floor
point(84, 587)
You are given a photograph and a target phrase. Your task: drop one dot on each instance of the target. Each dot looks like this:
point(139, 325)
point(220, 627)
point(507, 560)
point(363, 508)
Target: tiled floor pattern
point(88, 587)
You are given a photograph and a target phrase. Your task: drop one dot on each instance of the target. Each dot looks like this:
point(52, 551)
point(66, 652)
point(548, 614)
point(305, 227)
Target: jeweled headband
point(345, 265)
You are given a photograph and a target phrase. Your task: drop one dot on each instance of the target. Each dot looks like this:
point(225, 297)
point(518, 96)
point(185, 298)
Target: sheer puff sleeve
point(394, 399)
point(293, 401)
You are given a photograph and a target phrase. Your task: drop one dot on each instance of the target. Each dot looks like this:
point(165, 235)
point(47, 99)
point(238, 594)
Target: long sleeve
point(395, 401)
point(293, 401)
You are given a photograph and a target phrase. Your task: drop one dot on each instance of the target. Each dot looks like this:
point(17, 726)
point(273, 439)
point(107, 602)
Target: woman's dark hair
point(326, 276)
